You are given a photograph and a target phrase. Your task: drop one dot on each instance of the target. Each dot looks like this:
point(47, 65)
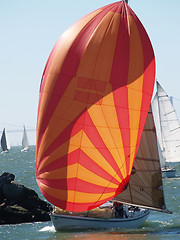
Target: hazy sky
point(29, 30)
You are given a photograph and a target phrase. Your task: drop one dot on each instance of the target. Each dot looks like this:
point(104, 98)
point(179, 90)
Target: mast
point(161, 131)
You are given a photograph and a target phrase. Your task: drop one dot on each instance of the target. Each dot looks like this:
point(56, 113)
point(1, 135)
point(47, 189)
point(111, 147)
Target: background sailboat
point(25, 142)
point(168, 131)
point(5, 146)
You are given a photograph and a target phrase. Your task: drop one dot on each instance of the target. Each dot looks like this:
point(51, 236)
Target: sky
point(28, 32)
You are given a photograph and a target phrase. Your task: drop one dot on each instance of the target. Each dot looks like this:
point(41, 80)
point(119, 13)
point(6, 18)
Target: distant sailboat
point(25, 142)
point(168, 131)
point(4, 142)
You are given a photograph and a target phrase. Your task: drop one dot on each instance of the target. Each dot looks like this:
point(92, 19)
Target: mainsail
point(167, 127)
point(25, 142)
point(95, 94)
point(4, 141)
point(145, 188)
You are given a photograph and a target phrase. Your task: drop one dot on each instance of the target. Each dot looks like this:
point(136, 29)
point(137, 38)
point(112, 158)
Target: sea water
point(158, 226)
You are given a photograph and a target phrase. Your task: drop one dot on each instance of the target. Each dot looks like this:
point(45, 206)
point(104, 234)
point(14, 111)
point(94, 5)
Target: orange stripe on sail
point(74, 196)
point(105, 119)
point(94, 154)
point(71, 145)
point(63, 46)
point(80, 172)
point(135, 86)
point(96, 63)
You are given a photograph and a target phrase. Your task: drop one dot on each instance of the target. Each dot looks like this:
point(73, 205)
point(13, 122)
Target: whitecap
point(48, 229)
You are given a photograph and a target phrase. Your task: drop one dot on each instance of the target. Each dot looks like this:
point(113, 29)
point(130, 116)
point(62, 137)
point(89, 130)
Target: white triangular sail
point(167, 127)
point(4, 141)
point(25, 142)
point(155, 109)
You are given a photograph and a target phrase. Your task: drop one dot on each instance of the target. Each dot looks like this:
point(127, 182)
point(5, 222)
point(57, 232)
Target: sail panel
point(92, 107)
point(155, 109)
point(145, 187)
point(168, 126)
point(25, 142)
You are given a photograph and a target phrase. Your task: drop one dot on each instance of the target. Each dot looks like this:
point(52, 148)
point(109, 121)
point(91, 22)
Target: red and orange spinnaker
point(94, 98)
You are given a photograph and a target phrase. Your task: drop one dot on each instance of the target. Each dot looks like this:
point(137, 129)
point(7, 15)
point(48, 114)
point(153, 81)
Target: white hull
point(4, 151)
point(26, 149)
point(168, 173)
point(77, 222)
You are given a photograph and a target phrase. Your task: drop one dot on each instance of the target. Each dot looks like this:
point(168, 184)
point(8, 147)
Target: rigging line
point(16, 131)
point(164, 96)
point(12, 125)
point(176, 99)
point(171, 140)
point(172, 120)
point(174, 129)
point(169, 113)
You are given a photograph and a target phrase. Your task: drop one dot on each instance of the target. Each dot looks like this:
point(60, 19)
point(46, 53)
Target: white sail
point(4, 141)
point(25, 142)
point(167, 127)
point(155, 109)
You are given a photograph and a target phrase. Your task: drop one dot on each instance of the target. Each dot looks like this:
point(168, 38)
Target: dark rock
point(7, 177)
point(15, 214)
point(19, 204)
point(16, 192)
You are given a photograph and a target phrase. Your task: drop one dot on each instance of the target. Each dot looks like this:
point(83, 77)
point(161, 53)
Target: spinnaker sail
point(95, 94)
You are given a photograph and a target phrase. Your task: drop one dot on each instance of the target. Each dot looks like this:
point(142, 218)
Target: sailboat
point(168, 131)
point(25, 142)
point(5, 146)
point(95, 95)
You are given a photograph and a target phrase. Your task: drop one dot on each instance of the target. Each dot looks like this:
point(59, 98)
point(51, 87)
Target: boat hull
point(26, 149)
point(168, 173)
point(77, 222)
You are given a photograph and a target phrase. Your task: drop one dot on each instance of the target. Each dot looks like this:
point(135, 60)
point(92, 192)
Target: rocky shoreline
point(19, 204)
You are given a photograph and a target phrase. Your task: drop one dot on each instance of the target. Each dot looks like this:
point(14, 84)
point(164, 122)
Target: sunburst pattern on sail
point(94, 98)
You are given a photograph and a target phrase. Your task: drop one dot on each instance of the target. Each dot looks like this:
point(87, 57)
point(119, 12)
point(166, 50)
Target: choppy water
point(159, 226)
